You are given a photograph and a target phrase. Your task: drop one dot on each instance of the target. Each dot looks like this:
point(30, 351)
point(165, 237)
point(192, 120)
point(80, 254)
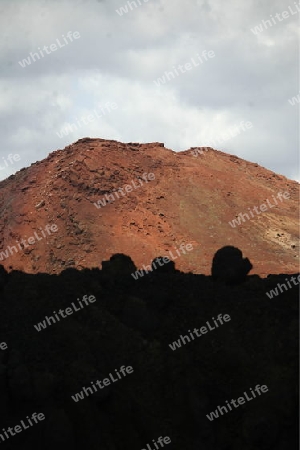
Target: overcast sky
point(118, 56)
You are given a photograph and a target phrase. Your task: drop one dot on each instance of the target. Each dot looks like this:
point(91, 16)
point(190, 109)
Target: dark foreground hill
point(167, 392)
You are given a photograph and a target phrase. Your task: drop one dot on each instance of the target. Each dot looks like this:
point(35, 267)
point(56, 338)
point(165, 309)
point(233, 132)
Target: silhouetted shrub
point(229, 265)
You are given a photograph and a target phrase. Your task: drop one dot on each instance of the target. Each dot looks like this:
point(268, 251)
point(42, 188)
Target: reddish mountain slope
point(191, 200)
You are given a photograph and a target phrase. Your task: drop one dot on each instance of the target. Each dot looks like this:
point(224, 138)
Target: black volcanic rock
point(170, 392)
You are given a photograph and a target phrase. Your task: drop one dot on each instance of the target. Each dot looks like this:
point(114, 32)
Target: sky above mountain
point(190, 73)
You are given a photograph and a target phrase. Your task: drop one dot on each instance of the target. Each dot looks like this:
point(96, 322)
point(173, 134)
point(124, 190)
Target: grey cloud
point(250, 78)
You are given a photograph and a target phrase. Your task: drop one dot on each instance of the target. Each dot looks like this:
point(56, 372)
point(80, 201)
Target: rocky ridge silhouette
point(72, 313)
